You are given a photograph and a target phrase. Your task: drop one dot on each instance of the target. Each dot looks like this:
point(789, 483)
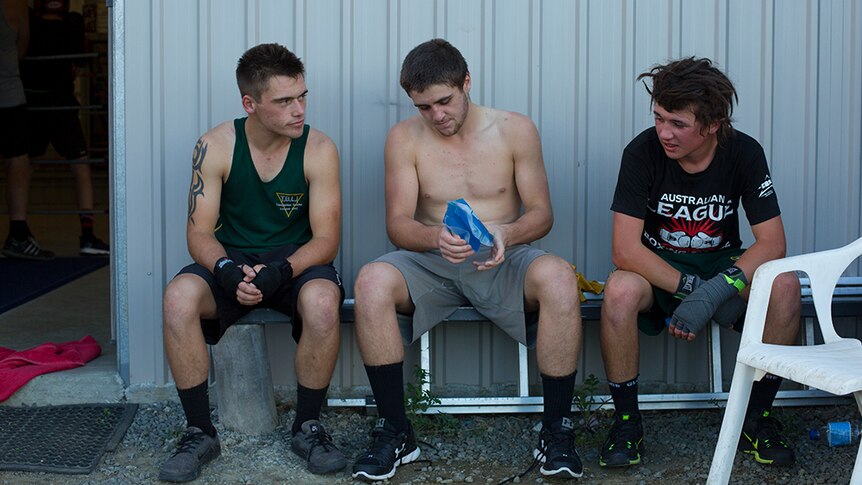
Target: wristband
point(228, 274)
point(687, 284)
point(220, 263)
point(735, 277)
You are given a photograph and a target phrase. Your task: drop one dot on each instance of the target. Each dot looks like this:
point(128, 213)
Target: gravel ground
point(481, 449)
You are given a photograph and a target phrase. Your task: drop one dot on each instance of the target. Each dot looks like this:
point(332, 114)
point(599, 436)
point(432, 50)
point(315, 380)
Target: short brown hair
point(262, 62)
point(433, 62)
point(696, 84)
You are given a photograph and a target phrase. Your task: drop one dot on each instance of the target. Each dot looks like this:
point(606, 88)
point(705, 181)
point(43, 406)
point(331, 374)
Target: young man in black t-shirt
point(676, 245)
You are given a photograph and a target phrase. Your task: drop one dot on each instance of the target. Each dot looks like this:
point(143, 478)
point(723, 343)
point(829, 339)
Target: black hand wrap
point(270, 278)
point(687, 284)
point(228, 275)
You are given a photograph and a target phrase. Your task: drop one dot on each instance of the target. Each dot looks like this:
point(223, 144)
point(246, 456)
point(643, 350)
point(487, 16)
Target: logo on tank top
point(288, 202)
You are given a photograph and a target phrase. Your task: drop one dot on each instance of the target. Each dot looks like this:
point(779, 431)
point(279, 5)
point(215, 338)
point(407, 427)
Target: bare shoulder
point(215, 147)
point(220, 138)
point(511, 123)
point(319, 144)
point(406, 133)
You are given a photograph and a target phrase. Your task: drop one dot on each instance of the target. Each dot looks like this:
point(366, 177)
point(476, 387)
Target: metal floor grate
point(61, 439)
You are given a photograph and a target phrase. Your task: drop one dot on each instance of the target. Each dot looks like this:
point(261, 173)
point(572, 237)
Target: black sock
point(387, 384)
point(625, 396)
point(308, 404)
point(87, 226)
point(196, 405)
point(558, 393)
point(19, 230)
point(762, 394)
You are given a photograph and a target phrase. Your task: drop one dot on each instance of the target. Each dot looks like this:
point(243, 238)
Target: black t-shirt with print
point(694, 213)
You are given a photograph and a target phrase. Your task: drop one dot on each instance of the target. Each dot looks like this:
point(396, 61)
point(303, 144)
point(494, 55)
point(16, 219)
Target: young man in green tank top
point(263, 229)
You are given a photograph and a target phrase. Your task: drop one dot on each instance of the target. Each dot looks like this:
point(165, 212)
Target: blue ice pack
point(463, 222)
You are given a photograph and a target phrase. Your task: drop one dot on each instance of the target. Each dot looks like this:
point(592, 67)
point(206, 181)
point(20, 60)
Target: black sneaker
point(314, 444)
point(761, 437)
point(194, 450)
point(25, 249)
point(625, 441)
point(93, 246)
point(389, 449)
point(557, 452)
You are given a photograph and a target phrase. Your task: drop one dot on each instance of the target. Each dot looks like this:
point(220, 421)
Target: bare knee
point(625, 295)
point(378, 285)
point(182, 298)
point(785, 302)
point(551, 282)
point(319, 306)
point(787, 291)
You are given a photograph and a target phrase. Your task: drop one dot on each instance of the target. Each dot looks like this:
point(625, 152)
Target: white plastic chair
point(834, 366)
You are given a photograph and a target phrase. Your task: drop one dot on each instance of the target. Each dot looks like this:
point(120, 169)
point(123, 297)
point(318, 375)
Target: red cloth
point(18, 367)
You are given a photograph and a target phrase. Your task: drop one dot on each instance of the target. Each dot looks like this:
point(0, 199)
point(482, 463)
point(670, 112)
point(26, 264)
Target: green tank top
point(257, 216)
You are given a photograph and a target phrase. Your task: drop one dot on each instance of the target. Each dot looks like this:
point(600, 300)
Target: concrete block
point(244, 392)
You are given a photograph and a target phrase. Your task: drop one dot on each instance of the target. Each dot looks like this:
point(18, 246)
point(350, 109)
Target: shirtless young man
point(493, 159)
point(264, 225)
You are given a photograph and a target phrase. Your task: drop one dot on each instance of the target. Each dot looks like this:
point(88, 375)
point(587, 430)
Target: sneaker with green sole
point(761, 437)
point(625, 441)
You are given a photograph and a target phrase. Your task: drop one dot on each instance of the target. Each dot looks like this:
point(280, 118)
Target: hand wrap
point(697, 309)
point(729, 312)
point(270, 278)
point(228, 275)
point(687, 284)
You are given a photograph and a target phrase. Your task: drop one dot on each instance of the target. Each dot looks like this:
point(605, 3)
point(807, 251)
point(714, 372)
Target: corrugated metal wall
point(569, 64)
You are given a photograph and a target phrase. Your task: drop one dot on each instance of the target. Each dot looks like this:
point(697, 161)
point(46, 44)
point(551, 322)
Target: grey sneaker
point(25, 249)
point(313, 444)
point(194, 450)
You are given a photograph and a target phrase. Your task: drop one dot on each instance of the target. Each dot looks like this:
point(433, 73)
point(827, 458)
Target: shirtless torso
point(457, 149)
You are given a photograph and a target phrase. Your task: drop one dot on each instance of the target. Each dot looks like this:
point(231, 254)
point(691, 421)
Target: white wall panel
point(794, 121)
point(571, 65)
point(557, 121)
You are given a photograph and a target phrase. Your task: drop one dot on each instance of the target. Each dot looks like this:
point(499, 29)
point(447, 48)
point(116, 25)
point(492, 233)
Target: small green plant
point(416, 399)
point(417, 402)
point(587, 403)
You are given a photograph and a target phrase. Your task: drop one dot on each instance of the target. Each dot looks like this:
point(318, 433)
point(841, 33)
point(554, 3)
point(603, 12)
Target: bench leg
point(245, 397)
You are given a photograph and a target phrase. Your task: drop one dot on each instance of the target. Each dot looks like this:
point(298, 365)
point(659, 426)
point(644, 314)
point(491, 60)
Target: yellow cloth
point(586, 285)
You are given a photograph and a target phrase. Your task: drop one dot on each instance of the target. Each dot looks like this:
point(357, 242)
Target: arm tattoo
point(197, 186)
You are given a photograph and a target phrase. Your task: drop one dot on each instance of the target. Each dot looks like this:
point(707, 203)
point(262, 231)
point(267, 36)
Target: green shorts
point(705, 265)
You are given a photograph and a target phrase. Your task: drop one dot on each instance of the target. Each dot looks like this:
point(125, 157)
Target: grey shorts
point(438, 287)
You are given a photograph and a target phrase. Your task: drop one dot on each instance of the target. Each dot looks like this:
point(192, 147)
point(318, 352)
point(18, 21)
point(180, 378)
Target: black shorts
point(61, 128)
point(13, 142)
point(283, 300)
point(705, 265)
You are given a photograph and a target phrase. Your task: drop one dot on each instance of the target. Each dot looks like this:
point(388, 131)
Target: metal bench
point(242, 368)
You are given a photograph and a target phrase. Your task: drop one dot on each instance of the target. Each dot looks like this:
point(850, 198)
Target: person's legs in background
point(90, 245)
point(20, 242)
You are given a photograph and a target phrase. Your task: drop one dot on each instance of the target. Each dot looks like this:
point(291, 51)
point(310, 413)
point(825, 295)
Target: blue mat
point(22, 281)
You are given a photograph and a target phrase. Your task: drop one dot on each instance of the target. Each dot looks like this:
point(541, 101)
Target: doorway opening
point(65, 75)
